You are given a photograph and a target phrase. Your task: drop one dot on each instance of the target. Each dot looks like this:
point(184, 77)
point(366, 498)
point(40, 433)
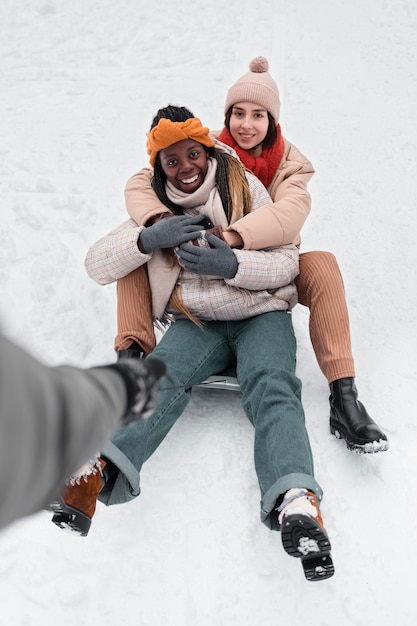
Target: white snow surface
point(80, 84)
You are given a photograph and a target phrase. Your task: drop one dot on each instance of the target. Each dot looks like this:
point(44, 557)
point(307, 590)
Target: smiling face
point(185, 164)
point(248, 126)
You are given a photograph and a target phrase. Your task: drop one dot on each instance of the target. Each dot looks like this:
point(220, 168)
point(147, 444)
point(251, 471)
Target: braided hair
point(173, 113)
point(230, 173)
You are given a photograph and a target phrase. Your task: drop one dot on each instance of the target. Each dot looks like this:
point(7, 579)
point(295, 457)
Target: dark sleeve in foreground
point(52, 419)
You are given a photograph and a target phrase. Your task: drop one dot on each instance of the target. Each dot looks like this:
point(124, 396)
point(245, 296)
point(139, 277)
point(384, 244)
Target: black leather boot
point(134, 351)
point(350, 421)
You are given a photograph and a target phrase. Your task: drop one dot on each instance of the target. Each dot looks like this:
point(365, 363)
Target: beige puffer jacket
point(274, 224)
point(263, 281)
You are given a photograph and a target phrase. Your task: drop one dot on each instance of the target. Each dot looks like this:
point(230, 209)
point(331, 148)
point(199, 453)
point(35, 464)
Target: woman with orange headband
point(252, 130)
point(226, 306)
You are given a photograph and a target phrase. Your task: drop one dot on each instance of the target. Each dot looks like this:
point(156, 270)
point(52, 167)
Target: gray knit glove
point(142, 384)
point(216, 260)
point(170, 232)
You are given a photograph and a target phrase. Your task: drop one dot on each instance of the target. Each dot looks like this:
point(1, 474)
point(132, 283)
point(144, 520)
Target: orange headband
point(166, 133)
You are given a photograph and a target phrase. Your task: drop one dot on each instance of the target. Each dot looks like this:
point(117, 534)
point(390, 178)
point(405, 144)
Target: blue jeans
point(264, 350)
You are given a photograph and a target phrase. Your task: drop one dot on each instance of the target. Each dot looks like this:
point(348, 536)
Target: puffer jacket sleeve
point(52, 420)
point(116, 254)
point(265, 269)
point(142, 203)
point(272, 267)
point(280, 222)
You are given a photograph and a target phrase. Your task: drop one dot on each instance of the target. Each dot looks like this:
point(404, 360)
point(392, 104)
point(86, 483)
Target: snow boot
point(303, 534)
point(134, 351)
point(350, 421)
point(74, 508)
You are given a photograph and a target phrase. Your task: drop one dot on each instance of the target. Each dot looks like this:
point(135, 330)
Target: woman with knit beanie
point(228, 306)
point(252, 130)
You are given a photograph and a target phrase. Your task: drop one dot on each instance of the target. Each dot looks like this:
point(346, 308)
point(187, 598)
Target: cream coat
point(263, 282)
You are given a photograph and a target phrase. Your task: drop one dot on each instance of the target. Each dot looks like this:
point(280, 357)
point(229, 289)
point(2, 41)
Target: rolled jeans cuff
point(127, 484)
point(280, 487)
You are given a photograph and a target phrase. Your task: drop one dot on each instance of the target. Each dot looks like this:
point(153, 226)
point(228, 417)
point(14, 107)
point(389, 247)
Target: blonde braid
point(232, 185)
point(177, 303)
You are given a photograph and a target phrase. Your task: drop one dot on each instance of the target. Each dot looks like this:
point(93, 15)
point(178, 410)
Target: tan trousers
point(320, 288)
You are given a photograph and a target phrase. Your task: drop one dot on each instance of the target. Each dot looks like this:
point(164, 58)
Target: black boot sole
point(303, 538)
point(360, 447)
point(68, 518)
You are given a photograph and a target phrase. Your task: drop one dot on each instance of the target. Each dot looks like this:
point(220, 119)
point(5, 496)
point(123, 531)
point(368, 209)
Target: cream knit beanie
point(256, 86)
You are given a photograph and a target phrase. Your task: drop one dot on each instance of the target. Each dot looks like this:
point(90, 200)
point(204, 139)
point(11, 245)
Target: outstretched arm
point(53, 419)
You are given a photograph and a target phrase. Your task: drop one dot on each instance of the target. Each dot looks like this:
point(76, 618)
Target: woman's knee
point(317, 269)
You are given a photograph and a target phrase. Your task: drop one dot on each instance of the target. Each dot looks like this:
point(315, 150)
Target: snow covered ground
point(80, 83)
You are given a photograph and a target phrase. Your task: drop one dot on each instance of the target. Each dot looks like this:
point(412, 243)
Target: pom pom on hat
point(259, 64)
point(256, 86)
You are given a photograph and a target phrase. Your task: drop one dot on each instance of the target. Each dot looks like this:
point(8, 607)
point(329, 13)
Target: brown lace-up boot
point(75, 506)
point(303, 534)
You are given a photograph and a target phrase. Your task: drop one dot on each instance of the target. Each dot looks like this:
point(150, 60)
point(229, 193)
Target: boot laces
point(296, 494)
point(91, 468)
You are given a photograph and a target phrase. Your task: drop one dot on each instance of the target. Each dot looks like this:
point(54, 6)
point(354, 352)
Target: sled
point(226, 379)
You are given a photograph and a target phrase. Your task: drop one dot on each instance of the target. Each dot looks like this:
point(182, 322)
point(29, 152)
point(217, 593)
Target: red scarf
point(264, 166)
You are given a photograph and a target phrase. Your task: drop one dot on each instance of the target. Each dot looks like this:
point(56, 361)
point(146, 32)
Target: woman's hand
point(216, 260)
point(170, 232)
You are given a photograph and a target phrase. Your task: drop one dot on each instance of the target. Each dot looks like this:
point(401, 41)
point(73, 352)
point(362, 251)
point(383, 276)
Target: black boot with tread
point(349, 420)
